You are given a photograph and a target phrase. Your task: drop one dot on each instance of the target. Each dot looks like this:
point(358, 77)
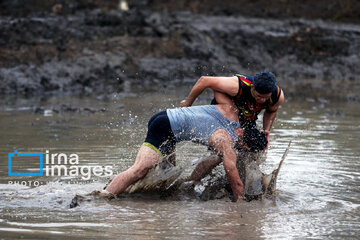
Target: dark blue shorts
point(160, 136)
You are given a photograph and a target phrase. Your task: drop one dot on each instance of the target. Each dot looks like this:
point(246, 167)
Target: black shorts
point(160, 136)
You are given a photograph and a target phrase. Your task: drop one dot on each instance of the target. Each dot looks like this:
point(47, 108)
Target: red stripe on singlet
point(247, 82)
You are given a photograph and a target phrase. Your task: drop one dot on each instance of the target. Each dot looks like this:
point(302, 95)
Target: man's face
point(260, 98)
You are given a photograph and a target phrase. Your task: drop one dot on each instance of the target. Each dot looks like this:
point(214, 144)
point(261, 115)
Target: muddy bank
point(96, 49)
point(331, 10)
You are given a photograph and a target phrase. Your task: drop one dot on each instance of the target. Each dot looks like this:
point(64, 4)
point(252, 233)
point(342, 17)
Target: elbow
point(202, 78)
point(199, 87)
point(202, 81)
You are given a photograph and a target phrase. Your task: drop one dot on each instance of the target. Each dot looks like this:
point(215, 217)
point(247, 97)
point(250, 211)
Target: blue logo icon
point(15, 153)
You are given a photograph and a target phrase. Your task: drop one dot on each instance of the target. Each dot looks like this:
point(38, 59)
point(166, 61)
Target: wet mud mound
point(93, 48)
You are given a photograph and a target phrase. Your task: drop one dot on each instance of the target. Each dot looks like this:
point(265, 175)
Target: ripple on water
point(318, 183)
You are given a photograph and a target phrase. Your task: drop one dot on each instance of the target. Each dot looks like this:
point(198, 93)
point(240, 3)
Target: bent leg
point(205, 167)
point(145, 159)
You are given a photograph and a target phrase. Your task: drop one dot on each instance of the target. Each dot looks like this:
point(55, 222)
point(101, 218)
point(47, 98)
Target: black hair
point(265, 82)
point(254, 139)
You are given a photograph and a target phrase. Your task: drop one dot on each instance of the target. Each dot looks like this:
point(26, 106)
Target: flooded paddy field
point(318, 183)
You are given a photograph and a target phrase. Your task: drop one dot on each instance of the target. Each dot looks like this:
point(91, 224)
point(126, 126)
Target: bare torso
point(226, 106)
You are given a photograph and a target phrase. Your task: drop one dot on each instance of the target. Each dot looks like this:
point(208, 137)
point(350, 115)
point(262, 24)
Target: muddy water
point(318, 183)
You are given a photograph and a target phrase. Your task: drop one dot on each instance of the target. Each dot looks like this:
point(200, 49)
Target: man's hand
point(238, 191)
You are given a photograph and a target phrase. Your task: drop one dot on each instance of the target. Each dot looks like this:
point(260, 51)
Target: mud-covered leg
point(205, 167)
point(145, 159)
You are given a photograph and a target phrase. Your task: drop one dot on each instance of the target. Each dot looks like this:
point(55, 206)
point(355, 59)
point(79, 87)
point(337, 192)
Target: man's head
point(251, 139)
point(263, 86)
point(254, 139)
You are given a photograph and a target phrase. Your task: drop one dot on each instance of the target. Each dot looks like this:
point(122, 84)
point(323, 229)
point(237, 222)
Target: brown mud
point(95, 48)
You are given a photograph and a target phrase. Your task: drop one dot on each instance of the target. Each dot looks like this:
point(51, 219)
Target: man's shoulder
point(277, 91)
point(245, 80)
point(275, 96)
point(244, 77)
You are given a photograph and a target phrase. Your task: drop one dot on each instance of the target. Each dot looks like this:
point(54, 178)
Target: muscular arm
point(223, 143)
point(227, 85)
point(232, 173)
point(268, 120)
point(270, 114)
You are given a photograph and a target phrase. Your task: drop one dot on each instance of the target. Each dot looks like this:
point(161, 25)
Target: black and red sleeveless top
point(245, 101)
